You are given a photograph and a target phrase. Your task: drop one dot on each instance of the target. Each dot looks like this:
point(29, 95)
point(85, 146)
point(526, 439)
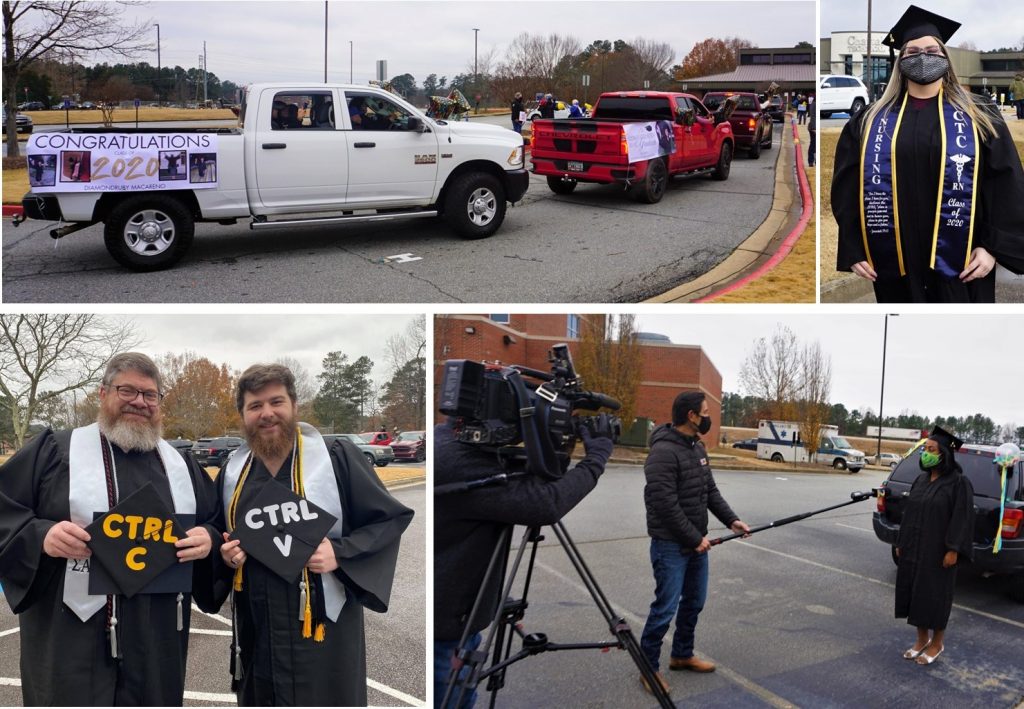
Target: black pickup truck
point(978, 466)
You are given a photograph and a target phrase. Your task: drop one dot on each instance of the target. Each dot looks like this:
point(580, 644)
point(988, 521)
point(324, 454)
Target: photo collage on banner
point(524, 355)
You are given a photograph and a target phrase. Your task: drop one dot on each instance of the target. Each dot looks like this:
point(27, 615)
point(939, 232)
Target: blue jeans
point(681, 586)
point(444, 652)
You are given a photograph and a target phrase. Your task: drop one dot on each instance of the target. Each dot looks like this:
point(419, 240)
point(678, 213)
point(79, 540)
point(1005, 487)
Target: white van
point(780, 441)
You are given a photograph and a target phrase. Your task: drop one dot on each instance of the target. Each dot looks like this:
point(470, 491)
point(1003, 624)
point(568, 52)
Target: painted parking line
point(859, 529)
point(10, 632)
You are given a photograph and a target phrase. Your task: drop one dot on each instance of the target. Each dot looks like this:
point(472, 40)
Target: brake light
point(1012, 522)
point(623, 145)
point(751, 123)
point(880, 504)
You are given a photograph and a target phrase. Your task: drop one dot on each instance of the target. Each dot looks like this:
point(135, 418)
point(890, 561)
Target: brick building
point(525, 339)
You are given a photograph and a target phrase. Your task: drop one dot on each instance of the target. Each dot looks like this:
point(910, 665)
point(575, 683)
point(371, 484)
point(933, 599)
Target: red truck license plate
point(575, 166)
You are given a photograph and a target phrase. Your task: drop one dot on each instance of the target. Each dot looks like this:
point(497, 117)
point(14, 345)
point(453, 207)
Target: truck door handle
point(275, 146)
point(364, 145)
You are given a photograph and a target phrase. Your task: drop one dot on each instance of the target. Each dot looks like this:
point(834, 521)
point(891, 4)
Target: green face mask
point(929, 459)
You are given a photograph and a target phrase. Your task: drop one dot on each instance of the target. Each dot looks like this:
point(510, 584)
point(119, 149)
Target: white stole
point(321, 489)
point(87, 493)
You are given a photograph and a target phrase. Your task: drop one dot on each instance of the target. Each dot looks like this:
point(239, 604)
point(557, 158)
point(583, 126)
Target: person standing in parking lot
point(517, 113)
point(936, 533)
point(1017, 89)
point(812, 129)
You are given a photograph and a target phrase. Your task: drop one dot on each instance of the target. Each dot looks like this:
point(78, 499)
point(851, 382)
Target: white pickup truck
point(302, 154)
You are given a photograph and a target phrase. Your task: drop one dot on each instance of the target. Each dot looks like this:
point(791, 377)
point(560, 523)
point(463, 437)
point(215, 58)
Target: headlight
point(515, 158)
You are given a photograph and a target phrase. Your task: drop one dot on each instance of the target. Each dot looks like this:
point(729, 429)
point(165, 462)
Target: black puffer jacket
point(680, 489)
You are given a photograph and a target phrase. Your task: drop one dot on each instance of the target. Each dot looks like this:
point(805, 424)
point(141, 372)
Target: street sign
point(586, 79)
point(647, 84)
point(137, 103)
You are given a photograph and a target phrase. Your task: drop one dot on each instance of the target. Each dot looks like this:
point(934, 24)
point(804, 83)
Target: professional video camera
point(495, 407)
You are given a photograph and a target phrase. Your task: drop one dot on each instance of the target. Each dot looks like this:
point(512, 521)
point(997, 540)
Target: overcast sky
point(284, 41)
point(936, 365)
point(990, 24)
point(241, 340)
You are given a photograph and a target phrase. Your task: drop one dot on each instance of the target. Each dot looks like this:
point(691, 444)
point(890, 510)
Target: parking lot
point(596, 245)
point(395, 641)
point(801, 615)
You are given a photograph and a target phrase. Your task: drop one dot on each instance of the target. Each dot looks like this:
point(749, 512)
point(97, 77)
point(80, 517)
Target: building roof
point(754, 73)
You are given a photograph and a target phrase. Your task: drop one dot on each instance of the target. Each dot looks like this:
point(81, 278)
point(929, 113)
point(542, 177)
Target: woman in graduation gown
point(958, 204)
point(936, 533)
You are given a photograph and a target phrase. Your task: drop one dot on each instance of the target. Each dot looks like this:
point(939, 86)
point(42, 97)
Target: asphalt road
point(395, 641)
point(596, 245)
point(800, 615)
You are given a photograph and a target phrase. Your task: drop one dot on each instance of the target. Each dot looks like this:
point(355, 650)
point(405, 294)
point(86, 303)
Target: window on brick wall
point(572, 327)
point(500, 318)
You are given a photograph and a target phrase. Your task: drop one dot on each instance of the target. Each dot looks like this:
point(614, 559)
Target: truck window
point(373, 112)
point(302, 111)
point(634, 108)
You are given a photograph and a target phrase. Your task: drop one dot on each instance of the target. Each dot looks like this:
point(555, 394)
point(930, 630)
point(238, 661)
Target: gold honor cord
point(237, 584)
point(895, 183)
point(863, 218)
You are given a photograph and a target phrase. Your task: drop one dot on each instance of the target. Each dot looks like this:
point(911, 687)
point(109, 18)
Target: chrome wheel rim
point(149, 232)
point(482, 206)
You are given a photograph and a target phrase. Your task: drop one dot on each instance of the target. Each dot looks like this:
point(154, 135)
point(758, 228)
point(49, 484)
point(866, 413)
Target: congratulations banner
point(121, 162)
point(649, 140)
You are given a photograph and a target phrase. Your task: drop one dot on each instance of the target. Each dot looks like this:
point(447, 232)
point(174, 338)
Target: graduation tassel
point(181, 624)
point(305, 611)
point(113, 637)
point(236, 650)
point(319, 608)
point(237, 585)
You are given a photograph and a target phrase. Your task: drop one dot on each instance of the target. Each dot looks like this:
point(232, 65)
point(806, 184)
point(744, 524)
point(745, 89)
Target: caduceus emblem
point(960, 160)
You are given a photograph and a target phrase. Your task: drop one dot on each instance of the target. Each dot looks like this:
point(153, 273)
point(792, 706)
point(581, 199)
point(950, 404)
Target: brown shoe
point(693, 664)
point(661, 681)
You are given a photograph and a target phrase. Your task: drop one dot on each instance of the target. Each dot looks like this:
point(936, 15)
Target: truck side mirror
point(415, 124)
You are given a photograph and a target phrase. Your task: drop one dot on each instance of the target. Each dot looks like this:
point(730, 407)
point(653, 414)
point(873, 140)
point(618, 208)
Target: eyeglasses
point(914, 51)
point(128, 393)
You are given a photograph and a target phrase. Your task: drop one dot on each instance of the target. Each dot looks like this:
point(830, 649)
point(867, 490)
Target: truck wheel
point(475, 205)
point(560, 186)
point(858, 105)
point(755, 150)
point(652, 189)
point(724, 163)
point(839, 464)
point(148, 232)
point(370, 459)
point(1017, 587)
point(776, 457)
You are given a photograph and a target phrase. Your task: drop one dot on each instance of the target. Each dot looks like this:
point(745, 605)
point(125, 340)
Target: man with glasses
point(77, 647)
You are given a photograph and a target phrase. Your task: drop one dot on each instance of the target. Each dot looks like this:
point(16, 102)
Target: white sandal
point(913, 654)
point(926, 659)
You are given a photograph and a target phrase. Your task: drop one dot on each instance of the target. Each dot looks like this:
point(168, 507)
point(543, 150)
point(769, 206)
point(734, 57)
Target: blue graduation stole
point(879, 198)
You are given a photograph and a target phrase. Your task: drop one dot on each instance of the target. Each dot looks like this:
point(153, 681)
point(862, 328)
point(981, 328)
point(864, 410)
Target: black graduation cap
point(945, 438)
point(281, 530)
point(134, 541)
point(916, 23)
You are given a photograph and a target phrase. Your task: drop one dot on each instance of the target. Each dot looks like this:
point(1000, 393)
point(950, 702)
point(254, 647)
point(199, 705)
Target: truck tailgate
point(568, 138)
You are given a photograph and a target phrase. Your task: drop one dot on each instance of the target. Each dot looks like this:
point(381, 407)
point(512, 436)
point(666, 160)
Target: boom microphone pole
point(855, 497)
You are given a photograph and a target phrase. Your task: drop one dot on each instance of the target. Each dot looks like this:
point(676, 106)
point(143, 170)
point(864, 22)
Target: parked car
point(376, 438)
point(978, 466)
point(890, 460)
point(32, 106)
point(214, 451)
point(376, 455)
point(841, 94)
point(181, 444)
point(747, 444)
point(752, 127)
point(87, 105)
point(410, 445)
point(776, 110)
point(24, 122)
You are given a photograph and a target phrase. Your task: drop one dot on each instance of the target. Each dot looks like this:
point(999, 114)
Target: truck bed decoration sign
point(649, 139)
point(121, 162)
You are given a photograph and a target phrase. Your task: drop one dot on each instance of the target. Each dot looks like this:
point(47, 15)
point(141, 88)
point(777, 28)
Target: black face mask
point(705, 425)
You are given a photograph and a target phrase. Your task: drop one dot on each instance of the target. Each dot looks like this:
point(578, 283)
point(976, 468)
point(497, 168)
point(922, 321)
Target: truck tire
point(839, 464)
point(776, 457)
point(754, 152)
point(148, 232)
point(652, 189)
point(724, 163)
point(771, 137)
point(369, 457)
point(475, 205)
point(560, 186)
point(857, 107)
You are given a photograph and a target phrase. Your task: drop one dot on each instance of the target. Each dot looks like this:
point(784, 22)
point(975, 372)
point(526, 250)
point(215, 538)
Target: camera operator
point(468, 525)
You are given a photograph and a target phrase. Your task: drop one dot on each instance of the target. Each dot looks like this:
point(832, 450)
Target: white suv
point(841, 94)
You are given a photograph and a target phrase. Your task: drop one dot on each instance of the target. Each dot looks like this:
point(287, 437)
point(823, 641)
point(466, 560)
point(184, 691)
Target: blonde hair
point(951, 87)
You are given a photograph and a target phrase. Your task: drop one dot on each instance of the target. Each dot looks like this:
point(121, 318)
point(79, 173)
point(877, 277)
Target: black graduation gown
point(937, 517)
point(279, 666)
point(999, 221)
point(66, 662)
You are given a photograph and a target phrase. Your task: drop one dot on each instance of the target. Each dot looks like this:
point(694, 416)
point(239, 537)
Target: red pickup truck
point(639, 139)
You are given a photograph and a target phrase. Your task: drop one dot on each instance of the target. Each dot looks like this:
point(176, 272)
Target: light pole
point(325, 41)
point(159, 93)
point(476, 76)
point(870, 72)
point(350, 55)
point(881, 396)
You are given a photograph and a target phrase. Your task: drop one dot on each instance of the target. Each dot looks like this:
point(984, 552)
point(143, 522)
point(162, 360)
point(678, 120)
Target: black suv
point(214, 451)
point(978, 466)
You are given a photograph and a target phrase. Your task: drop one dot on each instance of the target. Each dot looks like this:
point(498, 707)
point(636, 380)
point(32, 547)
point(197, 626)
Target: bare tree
point(406, 345)
point(610, 360)
point(771, 372)
point(42, 357)
point(43, 29)
point(815, 388)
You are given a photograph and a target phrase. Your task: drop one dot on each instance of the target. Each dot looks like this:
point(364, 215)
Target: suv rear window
point(744, 102)
point(977, 465)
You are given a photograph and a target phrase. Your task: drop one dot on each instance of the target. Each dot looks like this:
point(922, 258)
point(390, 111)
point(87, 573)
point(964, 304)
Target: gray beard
point(127, 435)
point(924, 68)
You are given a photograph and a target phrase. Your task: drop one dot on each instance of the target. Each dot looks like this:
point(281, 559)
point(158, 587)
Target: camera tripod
point(507, 617)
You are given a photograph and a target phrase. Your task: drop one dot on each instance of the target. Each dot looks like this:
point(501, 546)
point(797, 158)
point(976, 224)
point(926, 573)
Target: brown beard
point(273, 448)
point(128, 435)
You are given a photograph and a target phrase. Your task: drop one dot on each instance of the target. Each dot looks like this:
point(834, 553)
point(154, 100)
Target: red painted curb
point(791, 238)
point(12, 210)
